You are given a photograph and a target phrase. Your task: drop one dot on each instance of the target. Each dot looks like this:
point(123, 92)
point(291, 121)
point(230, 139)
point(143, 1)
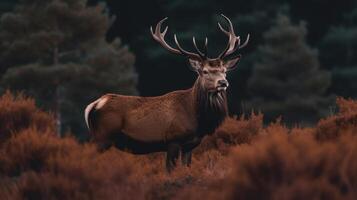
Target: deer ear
point(195, 64)
point(232, 64)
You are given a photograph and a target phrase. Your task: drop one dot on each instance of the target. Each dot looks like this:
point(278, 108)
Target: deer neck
point(211, 108)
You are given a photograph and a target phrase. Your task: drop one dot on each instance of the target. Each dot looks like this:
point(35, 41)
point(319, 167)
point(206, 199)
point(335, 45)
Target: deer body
point(145, 119)
point(174, 122)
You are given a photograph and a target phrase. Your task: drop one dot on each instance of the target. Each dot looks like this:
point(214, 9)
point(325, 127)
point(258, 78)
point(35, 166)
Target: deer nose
point(223, 83)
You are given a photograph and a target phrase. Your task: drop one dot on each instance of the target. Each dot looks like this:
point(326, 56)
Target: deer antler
point(233, 41)
point(204, 53)
point(232, 45)
point(160, 37)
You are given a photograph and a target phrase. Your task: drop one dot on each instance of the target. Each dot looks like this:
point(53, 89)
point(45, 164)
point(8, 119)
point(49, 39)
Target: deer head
point(211, 71)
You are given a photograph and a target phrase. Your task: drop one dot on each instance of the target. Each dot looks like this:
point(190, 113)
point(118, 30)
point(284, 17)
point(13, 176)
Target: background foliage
point(295, 77)
point(56, 51)
point(325, 53)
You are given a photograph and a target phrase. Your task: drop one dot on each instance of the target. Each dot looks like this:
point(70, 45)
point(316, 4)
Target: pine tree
point(45, 31)
point(109, 69)
point(44, 45)
point(339, 50)
point(287, 81)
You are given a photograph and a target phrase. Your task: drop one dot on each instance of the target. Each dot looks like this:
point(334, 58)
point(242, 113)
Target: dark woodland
point(290, 132)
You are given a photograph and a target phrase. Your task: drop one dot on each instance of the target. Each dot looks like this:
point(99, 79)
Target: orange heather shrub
point(233, 132)
point(19, 112)
point(241, 160)
point(345, 121)
point(42, 166)
point(206, 168)
point(280, 164)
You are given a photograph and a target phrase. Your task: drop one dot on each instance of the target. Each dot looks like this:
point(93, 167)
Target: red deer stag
point(176, 121)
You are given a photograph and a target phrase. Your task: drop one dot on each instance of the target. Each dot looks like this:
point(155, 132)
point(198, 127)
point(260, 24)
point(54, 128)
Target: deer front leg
point(186, 156)
point(172, 155)
point(186, 150)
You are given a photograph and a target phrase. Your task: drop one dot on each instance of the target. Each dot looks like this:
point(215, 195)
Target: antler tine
point(233, 41)
point(228, 48)
point(231, 45)
point(203, 55)
point(231, 29)
point(245, 43)
point(206, 48)
point(229, 33)
point(160, 37)
point(222, 29)
point(184, 52)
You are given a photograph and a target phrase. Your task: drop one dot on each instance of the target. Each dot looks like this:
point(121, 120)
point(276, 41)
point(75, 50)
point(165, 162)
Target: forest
point(291, 132)
point(67, 53)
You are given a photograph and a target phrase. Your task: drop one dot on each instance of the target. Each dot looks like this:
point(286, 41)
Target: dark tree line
point(325, 24)
point(56, 51)
point(301, 53)
point(287, 79)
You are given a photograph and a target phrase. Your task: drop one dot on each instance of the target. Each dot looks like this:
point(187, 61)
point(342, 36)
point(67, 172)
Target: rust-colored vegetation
point(18, 113)
point(243, 159)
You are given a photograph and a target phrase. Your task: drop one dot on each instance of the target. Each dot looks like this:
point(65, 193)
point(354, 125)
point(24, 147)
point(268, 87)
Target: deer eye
point(205, 72)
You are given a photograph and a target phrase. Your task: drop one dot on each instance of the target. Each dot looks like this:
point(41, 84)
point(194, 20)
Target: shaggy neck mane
point(211, 109)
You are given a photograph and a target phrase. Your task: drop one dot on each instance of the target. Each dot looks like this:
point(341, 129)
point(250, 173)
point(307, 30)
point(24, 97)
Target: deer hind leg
point(103, 143)
point(172, 154)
